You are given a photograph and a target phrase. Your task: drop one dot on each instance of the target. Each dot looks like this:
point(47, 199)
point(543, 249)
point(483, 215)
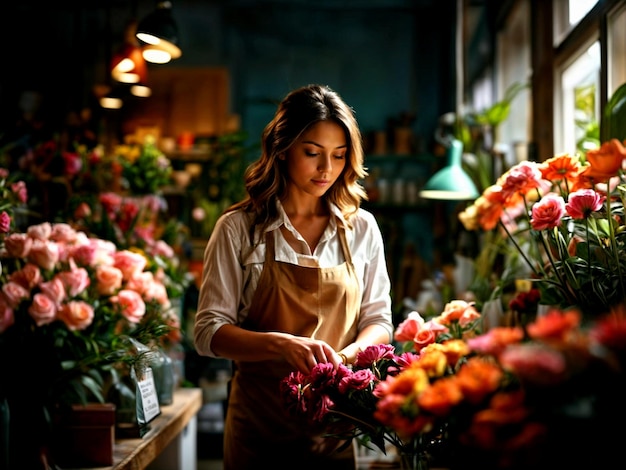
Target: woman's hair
point(266, 179)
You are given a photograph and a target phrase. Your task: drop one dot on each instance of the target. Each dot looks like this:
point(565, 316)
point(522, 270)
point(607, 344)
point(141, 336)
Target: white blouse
point(232, 268)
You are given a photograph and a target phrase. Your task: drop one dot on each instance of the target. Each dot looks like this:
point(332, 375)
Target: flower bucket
point(84, 436)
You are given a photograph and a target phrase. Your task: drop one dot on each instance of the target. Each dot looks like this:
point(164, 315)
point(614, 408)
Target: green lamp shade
point(451, 182)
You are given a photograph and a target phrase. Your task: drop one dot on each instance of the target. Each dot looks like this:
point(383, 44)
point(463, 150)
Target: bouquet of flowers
point(564, 218)
point(145, 169)
point(69, 301)
point(376, 400)
point(139, 223)
point(561, 384)
point(512, 398)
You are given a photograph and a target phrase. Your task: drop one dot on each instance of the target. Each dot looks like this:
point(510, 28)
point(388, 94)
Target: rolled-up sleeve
point(222, 281)
point(376, 296)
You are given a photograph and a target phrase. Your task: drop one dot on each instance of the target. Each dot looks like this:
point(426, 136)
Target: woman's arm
point(300, 352)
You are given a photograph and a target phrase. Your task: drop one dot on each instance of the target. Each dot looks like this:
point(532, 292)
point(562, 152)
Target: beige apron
point(321, 303)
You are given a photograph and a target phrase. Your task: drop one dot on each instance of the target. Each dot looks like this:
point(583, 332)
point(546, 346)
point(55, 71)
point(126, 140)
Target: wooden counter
point(171, 441)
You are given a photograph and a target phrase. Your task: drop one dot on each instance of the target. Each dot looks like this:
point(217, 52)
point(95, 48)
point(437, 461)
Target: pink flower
point(63, 233)
point(131, 305)
point(141, 282)
point(14, 294)
point(28, 277)
point(111, 202)
point(409, 328)
point(42, 309)
point(40, 231)
point(20, 190)
point(84, 255)
point(358, 380)
point(161, 248)
point(18, 245)
point(82, 211)
point(7, 317)
point(323, 375)
point(198, 214)
point(157, 291)
point(76, 314)
point(172, 320)
point(583, 202)
point(54, 289)
point(458, 311)
point(108, 280)
point(44, 254)
point(75, 281)
point(373, 354)
point(129, 262)
point(104, 251)
point(290, 389)
point(534, 363)
point(73, 163)
point(128, 213)
point(521, 179)
point(548, 212)
point(5, 222)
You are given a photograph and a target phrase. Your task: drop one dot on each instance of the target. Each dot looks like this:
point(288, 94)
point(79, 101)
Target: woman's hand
point(304, 353)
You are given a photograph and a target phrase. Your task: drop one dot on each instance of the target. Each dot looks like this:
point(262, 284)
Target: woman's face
point(317, 158)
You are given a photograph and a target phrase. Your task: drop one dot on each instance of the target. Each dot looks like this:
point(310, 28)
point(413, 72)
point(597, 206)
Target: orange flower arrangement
point(511, 398)
point(565, 218)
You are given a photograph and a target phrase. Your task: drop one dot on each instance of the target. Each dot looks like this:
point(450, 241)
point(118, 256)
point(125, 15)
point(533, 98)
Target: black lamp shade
point(158, 30)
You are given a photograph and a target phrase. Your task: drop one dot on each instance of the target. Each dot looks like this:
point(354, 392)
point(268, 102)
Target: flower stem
point(557, 272)
point(519, 249)
point(613, 239)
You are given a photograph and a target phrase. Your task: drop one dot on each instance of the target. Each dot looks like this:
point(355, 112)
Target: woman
point(293, 275)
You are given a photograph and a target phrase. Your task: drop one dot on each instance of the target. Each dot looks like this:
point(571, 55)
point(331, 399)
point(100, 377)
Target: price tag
point(149, 397)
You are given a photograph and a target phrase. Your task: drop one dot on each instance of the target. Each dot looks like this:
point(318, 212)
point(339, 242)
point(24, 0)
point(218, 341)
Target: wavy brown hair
point(266, 178)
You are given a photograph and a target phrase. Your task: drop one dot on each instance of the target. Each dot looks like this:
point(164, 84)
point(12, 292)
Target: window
point(616, 29)
point(568, 14)
point(577, 100)
point(513, 53)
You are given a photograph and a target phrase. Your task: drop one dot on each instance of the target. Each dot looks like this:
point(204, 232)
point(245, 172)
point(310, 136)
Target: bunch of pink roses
point(70, 300)
point(138, 223)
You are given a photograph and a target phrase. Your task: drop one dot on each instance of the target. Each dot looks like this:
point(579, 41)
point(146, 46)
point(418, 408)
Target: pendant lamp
point(159, 35)
point(112, 99)
point(129, 65)
point(451, 183)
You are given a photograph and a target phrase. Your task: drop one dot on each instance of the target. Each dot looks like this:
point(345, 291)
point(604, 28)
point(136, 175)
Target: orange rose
point(605, 161)
point(77, 315)
point(108, 279)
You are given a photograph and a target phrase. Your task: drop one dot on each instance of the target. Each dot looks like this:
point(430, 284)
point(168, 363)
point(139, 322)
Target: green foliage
point(221, 183)
point(613, 123)
point(473, 129)
point(145, 169)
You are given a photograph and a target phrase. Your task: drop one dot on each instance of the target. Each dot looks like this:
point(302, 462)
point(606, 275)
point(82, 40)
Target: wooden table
point(170, 444)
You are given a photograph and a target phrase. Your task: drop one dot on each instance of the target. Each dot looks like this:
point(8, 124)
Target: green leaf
point(613, 122)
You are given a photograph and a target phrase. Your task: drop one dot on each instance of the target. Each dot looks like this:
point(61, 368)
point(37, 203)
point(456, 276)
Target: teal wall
point(385, 57)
